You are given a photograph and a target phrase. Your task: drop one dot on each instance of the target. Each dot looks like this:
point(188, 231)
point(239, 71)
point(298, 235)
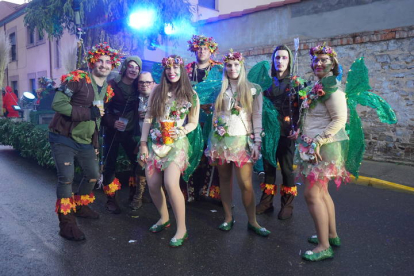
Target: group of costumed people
point(205, 121)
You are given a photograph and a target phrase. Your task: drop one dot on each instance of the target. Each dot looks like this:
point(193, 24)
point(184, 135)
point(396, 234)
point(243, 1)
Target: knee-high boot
point(266, 201)
point(286, 202)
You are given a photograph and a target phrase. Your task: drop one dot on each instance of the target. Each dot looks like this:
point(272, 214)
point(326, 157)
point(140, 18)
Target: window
point(40, 36)
point(14, 85)
point(210, 4)
point(32, 84)
point(58, 62)
point(13, 51)
point(30, 36)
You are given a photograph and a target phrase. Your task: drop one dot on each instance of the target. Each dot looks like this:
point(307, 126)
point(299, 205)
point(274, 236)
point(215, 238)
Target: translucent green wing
point(195, 139)
point(356, 92)
point(209, 89)
point(271, 127)
point(259, 74)
point(157, 72)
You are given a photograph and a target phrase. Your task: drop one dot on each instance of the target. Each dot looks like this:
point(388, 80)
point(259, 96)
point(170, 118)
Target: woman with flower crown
point(170, 106)
point(234, 143)
point(321, 149)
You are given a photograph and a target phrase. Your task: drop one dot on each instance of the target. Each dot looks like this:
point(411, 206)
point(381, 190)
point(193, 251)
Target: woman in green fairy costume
point(321, 149)
point(173, 111)
point(235, 141)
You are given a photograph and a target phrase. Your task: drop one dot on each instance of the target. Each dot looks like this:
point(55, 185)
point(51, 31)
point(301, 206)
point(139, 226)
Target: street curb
point(383, 184)
point(377, 183)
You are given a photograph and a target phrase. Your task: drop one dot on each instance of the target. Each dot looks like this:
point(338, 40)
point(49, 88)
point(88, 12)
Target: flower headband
point(322, 50)
point(201, 40)
point(103, 49)
point(233, 56)
point(171, 61)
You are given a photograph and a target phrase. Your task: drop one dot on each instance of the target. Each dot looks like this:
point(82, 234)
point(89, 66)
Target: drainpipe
point(50, 59)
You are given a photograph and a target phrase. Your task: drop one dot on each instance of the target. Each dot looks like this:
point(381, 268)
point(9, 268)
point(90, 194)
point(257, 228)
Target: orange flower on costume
point(269, 189)
point(284, 190)
point(214, 192)
point(109, 94)
point(112, 188)
point(65, 205)
point(84, 199)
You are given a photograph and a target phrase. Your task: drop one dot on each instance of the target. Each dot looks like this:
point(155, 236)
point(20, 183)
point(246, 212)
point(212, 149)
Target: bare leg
point(226, 189)
point(157, 194)
point(244, 179)
point(331, 214)
point(314, 197)
point(172, 184)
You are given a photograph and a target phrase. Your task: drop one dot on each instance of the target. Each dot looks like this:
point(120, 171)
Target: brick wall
point(389, 56)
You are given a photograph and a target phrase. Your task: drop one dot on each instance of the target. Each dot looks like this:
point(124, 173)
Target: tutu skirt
point(229, 149)
point(161, 156)
point(332, 166)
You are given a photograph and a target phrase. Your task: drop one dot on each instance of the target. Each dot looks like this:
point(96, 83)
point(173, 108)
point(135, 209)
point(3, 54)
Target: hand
point(143, 152)
point(119, 125)
point(173, 133)
point(318, 157)
point(293, 135)
point(96, 151)
point(256, 152)
point(142, 114)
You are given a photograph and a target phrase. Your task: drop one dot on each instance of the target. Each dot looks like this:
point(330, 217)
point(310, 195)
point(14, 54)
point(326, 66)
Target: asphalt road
point(376, 227)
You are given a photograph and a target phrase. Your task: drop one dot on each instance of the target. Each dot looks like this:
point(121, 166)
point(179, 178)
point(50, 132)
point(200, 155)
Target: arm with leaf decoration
point(357, 86)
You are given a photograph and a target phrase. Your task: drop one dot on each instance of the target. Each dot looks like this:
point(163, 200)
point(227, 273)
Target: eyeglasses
point(145, 82)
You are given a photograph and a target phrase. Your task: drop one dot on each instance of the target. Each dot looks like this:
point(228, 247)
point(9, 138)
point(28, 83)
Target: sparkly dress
point(233, 134)
point(161, 155)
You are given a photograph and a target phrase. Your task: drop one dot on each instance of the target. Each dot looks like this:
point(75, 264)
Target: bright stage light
point(168, 29)
point(142, 19)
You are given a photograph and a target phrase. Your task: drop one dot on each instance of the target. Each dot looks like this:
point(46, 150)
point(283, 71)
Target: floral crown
point(103, 49)
point(322, 50)
point(170, 61)
point(233, 56)
point(201, 40)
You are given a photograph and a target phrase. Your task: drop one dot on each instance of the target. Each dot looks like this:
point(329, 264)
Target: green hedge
point(31, 141)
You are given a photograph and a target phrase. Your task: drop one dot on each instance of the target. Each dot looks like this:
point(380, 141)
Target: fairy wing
point(209, 89)
point(259, 74)
point(157, 72)
point(356, 92)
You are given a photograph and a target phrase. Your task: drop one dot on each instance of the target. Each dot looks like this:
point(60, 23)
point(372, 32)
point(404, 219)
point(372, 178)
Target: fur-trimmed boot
point(82, 206)
point(286, 202)
point(69, 228)
point(266, 201)
point(111, 192)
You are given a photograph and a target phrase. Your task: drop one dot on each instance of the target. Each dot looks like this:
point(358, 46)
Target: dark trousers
point(64, 157)
point(284, 154)
point(112, 140)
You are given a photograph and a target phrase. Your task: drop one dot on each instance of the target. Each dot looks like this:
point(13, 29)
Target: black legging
point(284, 154)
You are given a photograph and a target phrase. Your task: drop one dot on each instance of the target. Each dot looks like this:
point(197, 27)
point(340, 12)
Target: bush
point(32, 142)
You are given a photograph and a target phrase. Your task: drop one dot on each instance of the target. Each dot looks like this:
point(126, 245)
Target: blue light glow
point(181, 28)
point(142, 19)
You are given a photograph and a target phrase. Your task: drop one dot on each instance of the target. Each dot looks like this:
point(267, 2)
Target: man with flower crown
point(205, 178)
point(74, 135)
point(120, 120)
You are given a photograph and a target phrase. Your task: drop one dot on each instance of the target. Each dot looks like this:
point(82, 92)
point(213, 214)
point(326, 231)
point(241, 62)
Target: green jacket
point(72, 104)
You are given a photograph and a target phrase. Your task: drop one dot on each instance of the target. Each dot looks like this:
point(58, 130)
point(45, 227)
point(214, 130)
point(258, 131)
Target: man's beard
point(97, 73)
